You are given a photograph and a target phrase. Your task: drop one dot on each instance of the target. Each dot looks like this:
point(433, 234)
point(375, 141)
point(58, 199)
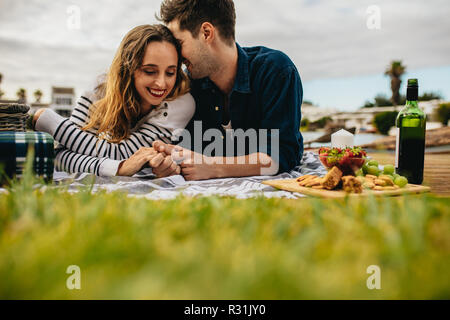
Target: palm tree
point(22, 95)
point(38, 95)
point(395, 70)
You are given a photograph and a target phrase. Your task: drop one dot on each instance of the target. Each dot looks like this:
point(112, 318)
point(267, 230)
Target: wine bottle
point(410, 146)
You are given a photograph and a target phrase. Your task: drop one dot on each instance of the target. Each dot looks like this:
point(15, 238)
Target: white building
point(363, 118)
point(314, 113)
point(63, 100)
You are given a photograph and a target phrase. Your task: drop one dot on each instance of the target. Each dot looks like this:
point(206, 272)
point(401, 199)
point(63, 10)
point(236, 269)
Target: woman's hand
point(135, 163)
point(163, 166)
point(36, 116)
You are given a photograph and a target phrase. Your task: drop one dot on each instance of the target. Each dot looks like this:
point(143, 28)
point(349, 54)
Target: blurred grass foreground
point(220, 248)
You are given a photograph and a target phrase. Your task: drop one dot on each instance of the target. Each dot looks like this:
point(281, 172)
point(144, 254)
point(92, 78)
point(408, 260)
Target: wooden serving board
point(292, 185)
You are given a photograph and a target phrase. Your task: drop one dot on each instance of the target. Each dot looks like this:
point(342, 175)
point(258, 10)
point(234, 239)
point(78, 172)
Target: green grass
point(221, 248)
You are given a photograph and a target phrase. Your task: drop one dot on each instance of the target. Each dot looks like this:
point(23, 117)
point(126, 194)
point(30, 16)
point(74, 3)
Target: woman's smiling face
point(156, 77)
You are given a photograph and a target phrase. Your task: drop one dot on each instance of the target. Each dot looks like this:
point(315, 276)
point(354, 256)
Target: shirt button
point(222, 137)
point(165, 114)
point(165, 104)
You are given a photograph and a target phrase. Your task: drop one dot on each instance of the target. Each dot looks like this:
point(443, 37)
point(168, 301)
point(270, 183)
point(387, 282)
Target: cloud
point(330, 38)
point(33, 66)
point(324, 38)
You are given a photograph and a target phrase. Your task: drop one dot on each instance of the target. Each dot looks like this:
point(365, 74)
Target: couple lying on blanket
point(149, 113)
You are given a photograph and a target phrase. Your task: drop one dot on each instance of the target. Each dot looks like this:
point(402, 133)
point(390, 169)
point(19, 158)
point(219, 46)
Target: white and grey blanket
point(145, 185)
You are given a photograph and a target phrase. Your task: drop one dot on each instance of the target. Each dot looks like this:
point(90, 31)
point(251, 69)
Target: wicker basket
point(13, 117)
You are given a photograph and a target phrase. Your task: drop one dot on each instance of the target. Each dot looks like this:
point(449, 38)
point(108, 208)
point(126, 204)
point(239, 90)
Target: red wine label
point(397, 143)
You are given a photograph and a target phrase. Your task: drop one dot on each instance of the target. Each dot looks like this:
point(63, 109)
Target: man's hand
point(195, 166)
point(178, 153)
point(162, 147)
point(194, 169)
point(164, 166)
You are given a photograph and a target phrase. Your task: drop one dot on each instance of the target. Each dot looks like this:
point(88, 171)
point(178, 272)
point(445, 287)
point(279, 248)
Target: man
point(234, 88)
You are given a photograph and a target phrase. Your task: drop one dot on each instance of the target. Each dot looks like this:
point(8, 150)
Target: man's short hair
point(191, 14)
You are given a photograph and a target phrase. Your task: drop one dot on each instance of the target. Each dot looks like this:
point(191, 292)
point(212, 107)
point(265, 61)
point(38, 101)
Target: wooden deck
point(436, 173)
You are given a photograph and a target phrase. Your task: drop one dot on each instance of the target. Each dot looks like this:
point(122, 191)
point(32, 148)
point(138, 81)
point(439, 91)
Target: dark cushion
point(14, 148)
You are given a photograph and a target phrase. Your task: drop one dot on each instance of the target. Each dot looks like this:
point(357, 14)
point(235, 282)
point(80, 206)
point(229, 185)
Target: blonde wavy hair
point(119, 107)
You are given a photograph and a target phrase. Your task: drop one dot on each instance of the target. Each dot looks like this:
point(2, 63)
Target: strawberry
point(359, 154)
point(345, 159)
point(323, 150)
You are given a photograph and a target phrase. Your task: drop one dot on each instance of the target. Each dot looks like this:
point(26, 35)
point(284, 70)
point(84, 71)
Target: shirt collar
point(242, 80)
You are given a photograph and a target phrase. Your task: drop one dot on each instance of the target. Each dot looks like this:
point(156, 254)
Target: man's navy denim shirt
point(267, 94)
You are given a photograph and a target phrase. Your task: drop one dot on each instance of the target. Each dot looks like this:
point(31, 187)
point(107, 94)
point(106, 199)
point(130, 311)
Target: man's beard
point(204, 66)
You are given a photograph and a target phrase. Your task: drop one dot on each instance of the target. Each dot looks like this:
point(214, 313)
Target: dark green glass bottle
point(410, 148)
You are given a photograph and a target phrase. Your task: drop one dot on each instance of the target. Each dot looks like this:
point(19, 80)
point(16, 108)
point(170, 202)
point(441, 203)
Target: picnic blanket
point(145, 185)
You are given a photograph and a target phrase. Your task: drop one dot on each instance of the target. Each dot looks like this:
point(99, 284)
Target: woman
point(144, 99)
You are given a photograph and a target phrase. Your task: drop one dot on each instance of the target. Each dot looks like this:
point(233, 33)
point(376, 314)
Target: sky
point(341, 48)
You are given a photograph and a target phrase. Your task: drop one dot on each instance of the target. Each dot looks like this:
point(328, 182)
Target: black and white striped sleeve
point(80, 113)
point(73, 138)
point(68, 132)
point(72, 162)
point(69, 161)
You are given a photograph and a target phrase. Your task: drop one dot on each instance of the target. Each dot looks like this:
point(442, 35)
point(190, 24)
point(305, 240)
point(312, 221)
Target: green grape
point(373, 163)
point(373, 170)
point(365, 168)
point(401, 181)
point(388, 169)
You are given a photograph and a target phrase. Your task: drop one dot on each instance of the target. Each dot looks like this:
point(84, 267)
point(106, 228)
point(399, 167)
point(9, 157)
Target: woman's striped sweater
point(85, 151)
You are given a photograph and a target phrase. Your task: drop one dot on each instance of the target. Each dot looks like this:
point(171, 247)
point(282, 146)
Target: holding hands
point(162, 164)
point(160, 161)
point(194, 166)
point(163, 159)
